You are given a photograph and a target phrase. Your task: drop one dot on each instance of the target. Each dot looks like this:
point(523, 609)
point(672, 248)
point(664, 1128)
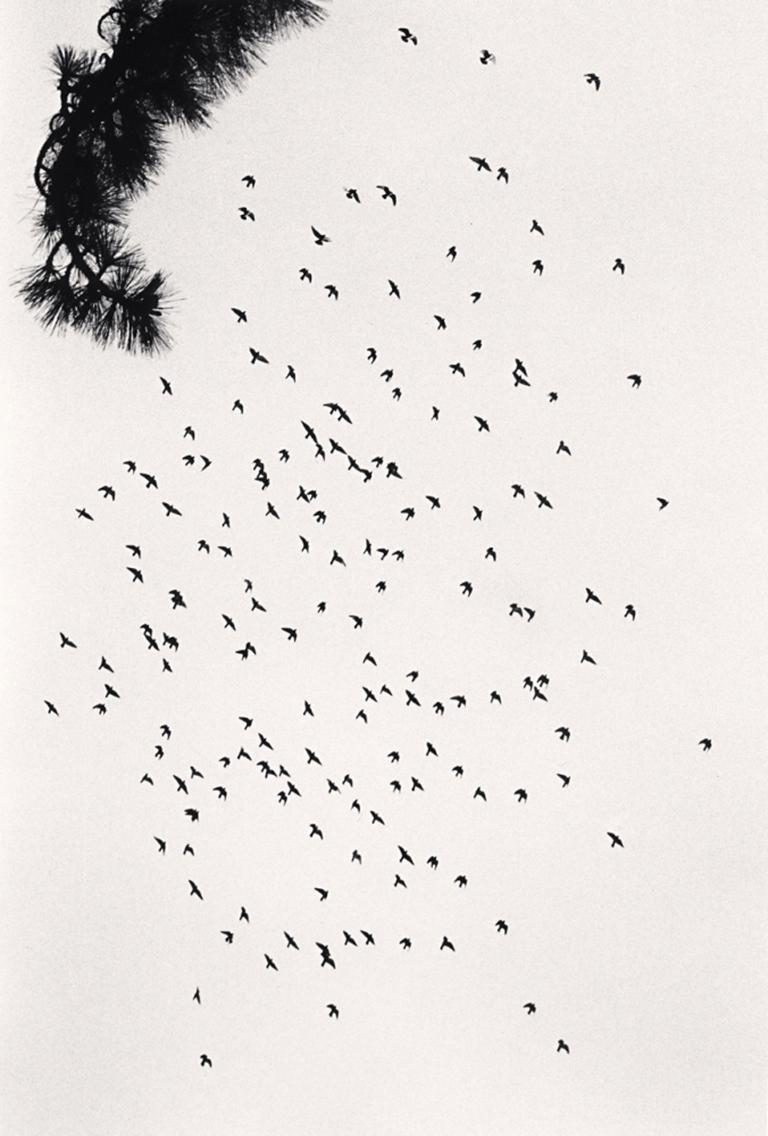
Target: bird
point(65, 641)
point(195, 890)
point(246, 214)
point(530, 1007)
point(663, 502)
point(320, 238)
point(619, 266)
point(333, 1010)
point(562, 1046)
point(249, 180)
point(480, 163)
point(407, 36)
point(352, 195)
point(594, 79)
point(387, 194)
point(322, 892)
point(241, 315)
point(196, 996)
point(635, 380)
point(501, 926)
point(393, 289)
point(446, 943)
point(487, 56)
point(536, 227)
point(205, 1060)
point(538, 267)
point(592, 596)
point(587, 658)
point(706, 744)
point(629, 612)
point(615, 840)
point(50, 707)
point(564, 778)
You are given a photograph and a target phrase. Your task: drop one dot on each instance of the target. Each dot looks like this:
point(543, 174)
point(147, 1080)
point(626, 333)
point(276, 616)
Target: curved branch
point(168, 61)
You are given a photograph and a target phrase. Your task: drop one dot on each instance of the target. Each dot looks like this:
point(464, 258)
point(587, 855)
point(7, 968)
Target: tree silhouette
point(168, 62)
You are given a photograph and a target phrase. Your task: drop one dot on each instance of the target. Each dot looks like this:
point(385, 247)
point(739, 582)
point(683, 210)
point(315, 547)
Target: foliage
point(167, 63)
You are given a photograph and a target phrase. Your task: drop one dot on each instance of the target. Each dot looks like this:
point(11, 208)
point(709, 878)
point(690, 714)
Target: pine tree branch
point(169, 62)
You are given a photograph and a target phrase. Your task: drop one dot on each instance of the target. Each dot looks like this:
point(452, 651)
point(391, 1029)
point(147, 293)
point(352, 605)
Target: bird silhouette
point(593, 79)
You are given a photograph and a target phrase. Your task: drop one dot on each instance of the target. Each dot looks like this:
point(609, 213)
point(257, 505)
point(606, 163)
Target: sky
point(648, 959)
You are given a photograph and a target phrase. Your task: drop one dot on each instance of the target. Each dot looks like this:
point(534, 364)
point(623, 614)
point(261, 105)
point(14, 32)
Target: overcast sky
point(647, 960)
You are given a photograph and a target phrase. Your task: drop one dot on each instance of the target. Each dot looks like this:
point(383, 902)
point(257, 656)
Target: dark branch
point(168, 62)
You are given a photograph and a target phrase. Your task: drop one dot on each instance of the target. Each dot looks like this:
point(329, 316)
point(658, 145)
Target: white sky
point(649, 960)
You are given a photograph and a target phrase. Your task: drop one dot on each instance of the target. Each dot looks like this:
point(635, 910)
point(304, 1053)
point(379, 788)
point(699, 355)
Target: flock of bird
point(319, 780)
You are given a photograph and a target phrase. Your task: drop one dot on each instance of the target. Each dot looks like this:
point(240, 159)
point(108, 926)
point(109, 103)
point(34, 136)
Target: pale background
point(649, 961)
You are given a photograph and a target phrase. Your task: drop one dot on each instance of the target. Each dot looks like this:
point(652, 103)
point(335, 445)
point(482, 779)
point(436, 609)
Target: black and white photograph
point(384, 559)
